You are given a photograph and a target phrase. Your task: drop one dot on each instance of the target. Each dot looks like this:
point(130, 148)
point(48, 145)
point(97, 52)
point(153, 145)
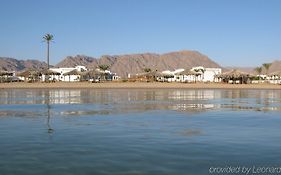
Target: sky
point(231, 32)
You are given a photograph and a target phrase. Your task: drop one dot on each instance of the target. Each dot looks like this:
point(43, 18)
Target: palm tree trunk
point(48, 51)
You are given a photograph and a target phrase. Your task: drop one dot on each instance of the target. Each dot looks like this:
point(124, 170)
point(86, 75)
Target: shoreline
point(135, 85)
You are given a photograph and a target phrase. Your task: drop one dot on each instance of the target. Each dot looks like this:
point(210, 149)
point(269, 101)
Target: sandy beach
point(135, 85)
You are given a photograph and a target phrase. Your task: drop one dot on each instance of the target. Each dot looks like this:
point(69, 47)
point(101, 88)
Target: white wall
point(209, 74)
point(71, 78)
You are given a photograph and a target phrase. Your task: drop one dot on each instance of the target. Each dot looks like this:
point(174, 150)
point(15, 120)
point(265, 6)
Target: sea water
point(139, 131)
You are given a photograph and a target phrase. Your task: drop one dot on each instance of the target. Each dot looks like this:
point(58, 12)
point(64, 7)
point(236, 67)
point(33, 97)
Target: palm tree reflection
point(50, 130)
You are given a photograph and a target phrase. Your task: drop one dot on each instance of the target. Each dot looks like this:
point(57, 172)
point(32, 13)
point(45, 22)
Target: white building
point(62, 73)
point(195, 74)
point(210, 74)
point(171, 76)
point(109, 75)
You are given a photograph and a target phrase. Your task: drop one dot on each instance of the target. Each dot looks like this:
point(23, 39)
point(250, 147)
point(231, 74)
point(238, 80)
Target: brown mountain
point(275, 66)
point(77, 60)
point(135, 63)
point(243, 69)
point(11, 64)
point(130, 63)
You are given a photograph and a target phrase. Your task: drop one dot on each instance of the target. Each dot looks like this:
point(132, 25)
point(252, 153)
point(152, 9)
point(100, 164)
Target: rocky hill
point(243, 69)
point(275, 66)
point(11, 64)
point(71, 61)
point(135, 63)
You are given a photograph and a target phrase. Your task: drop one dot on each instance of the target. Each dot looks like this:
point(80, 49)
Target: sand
point(134, 85)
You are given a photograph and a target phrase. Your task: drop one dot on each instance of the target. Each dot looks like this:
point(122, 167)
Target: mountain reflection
point(110, 101)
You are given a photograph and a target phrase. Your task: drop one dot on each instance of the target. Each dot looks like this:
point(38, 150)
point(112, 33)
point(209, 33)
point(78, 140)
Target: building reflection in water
point(109, 101)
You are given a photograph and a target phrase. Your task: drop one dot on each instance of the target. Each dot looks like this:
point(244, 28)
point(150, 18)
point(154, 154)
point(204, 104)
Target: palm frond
point(48, 37)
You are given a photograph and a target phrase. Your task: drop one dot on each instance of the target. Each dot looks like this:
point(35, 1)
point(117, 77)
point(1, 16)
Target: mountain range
point(135, 63)
point(275, 66)
point(129, 63)
point(11, 64)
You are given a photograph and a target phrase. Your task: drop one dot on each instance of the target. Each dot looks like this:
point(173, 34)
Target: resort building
point(275, 77)
point(172, 76)
point(105, 75)
point(79, 73)
point(195, 74)
point(210, 74)
point(64, 74)
point(7, 76)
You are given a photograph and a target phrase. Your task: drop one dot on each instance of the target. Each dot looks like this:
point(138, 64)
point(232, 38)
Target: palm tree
point(266, 66)
point(147, 70)
point(258, 70)
point(48, 38)
point(103, 67)
point(199, 70)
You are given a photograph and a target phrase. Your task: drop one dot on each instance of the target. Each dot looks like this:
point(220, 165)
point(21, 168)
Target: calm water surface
point(57, 132)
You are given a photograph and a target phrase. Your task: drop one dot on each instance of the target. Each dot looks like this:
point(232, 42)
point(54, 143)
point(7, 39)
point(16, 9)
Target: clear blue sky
point(231, 32)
